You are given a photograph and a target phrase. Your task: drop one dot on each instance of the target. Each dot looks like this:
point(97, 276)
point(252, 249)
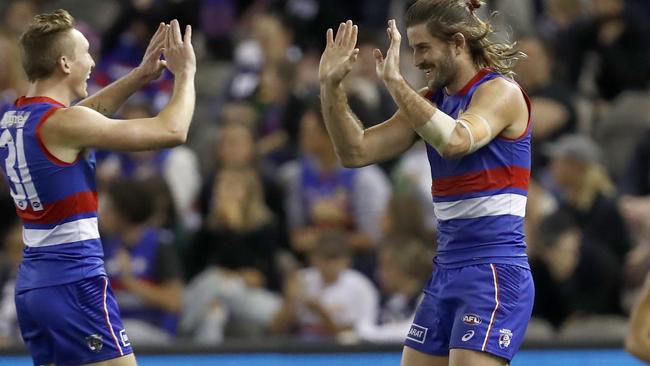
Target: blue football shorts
point(483, 307)
point(72, 324)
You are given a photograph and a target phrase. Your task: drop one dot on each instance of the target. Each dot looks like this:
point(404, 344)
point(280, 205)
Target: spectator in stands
point(141, 262)
point(240, 233)
point(328, 297)
point(122, 49)
point(16, 17)
point(271, 101)
point(404, 267)
point(635, 207)
point(12, 254)
point(177, 167)
point(557, 16)
point(321, 194)
point(235, 252)
point(573, 277)
point(617, 37)
point(408, 175)
point(637, 341)
point(552, 103)
point(12, 84)
point(586, 191)
point(235, 148)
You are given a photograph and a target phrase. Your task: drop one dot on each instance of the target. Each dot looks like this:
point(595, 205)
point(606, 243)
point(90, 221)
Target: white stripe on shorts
point(496, 300)
point(108, 320)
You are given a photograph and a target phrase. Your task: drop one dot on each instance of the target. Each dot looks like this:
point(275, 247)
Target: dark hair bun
point(474, 4)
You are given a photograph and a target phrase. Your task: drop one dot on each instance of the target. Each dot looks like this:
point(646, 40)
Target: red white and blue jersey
point(56, 201)
point(480, 198)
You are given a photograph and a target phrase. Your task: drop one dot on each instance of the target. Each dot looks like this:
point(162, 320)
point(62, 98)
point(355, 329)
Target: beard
point(444, 72)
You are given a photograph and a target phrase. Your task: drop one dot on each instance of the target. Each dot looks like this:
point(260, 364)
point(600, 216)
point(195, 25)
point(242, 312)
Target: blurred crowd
point(255, 229)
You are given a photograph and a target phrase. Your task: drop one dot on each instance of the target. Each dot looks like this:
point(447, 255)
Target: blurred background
point(252, 238)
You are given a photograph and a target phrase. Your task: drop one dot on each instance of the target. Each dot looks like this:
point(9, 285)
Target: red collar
point(479, 75)
point(23, 101)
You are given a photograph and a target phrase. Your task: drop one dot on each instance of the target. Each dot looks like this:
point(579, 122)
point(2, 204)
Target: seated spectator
point(235, 253)
point(12, 255)
point(328, 297)
point(573, 278)
point(235, 148)
point(408, 175)
point(321, 194)
point(615, 37)
point(239, 232)
point(586, 191)
point(404, 266)
point(177, 167)
point(552, 103)
point(141, 263)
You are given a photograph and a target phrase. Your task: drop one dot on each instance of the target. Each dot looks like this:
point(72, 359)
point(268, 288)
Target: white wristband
point(437, 130)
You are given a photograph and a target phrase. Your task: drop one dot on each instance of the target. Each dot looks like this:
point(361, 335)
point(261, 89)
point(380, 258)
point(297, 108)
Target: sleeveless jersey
point(56, 201)
point(480, 198)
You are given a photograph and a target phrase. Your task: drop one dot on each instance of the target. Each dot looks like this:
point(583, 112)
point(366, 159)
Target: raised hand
point(388, 67)
point(178, 51)
point(152, 66)
point(340, 54)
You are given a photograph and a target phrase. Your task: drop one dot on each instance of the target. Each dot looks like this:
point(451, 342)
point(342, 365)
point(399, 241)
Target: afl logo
point(471, 319)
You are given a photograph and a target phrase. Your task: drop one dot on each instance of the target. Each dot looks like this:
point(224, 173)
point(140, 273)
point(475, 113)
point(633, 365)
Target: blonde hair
point(44, 42)
point(256, 212)
point(445, 18)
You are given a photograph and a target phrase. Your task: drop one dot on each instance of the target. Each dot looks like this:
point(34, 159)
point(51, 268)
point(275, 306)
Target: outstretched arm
point(109, 99)
point(354, 145)
point(637, 341)
point(70, 130)
point(486, 117)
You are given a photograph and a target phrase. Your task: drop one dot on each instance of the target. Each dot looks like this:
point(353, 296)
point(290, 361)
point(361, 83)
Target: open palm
point(340, 53)
point(388, 67)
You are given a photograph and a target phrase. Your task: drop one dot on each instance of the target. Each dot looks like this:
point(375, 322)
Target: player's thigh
point(413, 357)
point(463, 357)
point(128, 360)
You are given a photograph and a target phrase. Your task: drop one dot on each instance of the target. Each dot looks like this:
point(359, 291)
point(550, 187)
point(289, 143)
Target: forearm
point(637, 341)
point(416, 108)
point(434, 126)
point(344, 128)
point(177, 115)
point(109, 99)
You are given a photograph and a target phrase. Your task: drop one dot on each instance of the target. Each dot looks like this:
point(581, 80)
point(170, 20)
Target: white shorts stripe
point(108, 320)
point(500, 204)
point(496, 300)
point(69, 232)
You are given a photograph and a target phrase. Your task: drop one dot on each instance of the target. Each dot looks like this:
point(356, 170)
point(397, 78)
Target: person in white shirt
point(329, 297)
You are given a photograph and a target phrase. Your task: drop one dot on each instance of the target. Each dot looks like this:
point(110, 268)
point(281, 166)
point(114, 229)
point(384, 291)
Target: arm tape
point(437, 130)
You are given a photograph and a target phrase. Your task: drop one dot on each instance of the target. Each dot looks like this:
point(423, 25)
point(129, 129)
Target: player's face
point(81, 65)
point(433, 56)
